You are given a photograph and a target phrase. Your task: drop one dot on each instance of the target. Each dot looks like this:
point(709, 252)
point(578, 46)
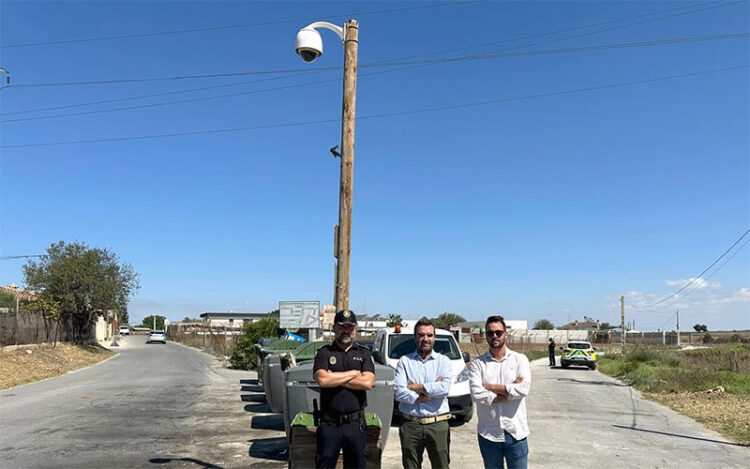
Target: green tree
point(7, 300)
point(543, 324)
point(244, 355)
point(85, 282)
point(447, 320)
point(154, 321)
point(394, 320)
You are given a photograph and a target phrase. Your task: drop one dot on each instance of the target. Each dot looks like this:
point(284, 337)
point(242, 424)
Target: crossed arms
point(491, 393)
point(352, 379)
point(416, 393)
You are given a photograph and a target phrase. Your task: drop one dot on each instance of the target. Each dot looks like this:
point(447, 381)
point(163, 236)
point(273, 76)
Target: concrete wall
point(102, 330)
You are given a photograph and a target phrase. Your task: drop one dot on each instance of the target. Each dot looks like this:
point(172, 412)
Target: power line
point(382, 63)
point(382, 115)
point(700, 274)
point(233, 26)
point(429, 62)
point(713, 4)
point(7, 258)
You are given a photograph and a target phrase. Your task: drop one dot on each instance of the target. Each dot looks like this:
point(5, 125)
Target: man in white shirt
point(500, 381)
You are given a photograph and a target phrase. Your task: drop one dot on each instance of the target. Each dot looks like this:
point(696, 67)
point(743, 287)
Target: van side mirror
point(467, 357)
point(376, 356)
point(594, 349)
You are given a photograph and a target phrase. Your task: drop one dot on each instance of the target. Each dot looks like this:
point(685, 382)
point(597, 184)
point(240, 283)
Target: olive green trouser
point(436, 437)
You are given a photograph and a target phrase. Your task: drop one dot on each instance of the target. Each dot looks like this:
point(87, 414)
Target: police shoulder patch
point(332, 360)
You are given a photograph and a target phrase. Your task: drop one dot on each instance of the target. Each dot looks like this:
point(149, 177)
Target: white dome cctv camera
point(309, 44)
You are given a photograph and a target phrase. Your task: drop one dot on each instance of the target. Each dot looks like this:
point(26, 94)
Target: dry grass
point(26, 364)
point(725, 413)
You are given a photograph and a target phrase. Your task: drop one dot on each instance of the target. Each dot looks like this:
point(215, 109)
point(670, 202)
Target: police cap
point(345, 317)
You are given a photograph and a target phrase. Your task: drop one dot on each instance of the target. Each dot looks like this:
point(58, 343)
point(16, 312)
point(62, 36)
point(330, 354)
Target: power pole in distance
point(678, 327)
point(622, 321)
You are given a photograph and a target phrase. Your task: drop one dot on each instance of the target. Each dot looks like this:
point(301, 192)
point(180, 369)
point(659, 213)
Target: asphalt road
point(150, 406)
point(170, 406)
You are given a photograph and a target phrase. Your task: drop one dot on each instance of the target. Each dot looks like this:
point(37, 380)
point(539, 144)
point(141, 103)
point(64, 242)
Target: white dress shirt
point(412, 369)
point(509, 415)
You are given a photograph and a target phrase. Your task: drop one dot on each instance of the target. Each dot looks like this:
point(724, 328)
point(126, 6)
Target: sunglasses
point(495, 333)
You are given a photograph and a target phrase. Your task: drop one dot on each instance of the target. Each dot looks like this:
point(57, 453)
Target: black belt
point(341, 419)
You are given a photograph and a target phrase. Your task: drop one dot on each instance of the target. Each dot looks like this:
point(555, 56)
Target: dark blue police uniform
point(342, 422)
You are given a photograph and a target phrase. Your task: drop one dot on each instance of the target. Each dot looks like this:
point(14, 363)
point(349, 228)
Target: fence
point(26, 328)
point(215, 341)
point(32, 328)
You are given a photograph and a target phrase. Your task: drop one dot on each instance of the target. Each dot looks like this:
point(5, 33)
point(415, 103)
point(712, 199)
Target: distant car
point(579, 353)
point(124, 330)
point(156, 336)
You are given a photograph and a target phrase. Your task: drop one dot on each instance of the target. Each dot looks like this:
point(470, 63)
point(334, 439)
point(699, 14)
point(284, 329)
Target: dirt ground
point(725, 413)
point(25, 364)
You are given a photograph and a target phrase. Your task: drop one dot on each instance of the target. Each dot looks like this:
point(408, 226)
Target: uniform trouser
point(552, 358)
point(436, 437)
point(331, 438)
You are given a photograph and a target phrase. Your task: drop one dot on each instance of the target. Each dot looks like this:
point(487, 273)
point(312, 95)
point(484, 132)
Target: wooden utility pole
point(622, 321)
point(344, 231)
point(678, 327)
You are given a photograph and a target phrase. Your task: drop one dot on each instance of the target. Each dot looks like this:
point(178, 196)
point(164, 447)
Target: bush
point(244, 354)
point(707, 339)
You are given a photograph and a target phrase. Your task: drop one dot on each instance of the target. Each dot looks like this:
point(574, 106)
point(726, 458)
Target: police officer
point(344, 372)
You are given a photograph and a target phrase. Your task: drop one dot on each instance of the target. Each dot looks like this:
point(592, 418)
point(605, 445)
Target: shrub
point(244, 354)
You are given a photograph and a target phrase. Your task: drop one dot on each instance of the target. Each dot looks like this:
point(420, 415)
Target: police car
point(578, 353)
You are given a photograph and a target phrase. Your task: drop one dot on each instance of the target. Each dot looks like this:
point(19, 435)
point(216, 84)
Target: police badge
point(332, 360)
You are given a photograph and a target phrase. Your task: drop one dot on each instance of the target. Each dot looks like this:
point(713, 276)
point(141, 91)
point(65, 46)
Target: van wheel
point(592, 366)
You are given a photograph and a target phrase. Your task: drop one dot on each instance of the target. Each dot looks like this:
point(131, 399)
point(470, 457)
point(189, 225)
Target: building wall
point(102, 330)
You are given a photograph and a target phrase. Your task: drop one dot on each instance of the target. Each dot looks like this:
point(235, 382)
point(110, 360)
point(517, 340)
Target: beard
point(344, 339)
point(500, 343)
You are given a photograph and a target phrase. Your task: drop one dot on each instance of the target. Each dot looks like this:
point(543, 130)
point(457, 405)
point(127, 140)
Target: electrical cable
point(694, 279)
point(381, 115)
point(409, 57)
point(431, 62)
point(233, 26)
point(7, 258)
point(381, 63)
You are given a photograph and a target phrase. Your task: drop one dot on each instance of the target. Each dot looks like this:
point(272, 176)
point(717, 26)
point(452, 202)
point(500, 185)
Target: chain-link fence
point(216, 341)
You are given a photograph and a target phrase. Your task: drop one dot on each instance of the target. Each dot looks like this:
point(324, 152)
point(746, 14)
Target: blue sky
point(544, 207)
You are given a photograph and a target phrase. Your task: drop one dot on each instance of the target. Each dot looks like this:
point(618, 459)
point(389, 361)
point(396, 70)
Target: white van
point(393, 343)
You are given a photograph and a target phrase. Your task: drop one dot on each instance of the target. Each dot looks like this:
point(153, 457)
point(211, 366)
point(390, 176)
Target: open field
point(25, 364)
point(710, 385)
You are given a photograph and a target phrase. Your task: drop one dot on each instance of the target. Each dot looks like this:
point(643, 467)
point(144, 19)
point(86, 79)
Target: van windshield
point(403, 344)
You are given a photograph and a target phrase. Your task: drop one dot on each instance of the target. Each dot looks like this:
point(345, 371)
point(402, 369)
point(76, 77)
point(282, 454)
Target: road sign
point(295, 315)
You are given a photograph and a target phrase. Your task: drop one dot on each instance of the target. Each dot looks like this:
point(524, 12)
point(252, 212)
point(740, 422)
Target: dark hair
point(423, 322)
point(499, 319)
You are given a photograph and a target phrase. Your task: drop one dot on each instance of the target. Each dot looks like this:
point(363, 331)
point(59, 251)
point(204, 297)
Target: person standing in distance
point(344, 371)
point(422, 382)
point(500, 380)
point(551, 349)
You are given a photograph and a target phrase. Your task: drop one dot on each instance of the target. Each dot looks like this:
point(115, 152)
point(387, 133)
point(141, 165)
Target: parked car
point(124, 330)
point(579, 353)
point(156, 336)
point(393, 343)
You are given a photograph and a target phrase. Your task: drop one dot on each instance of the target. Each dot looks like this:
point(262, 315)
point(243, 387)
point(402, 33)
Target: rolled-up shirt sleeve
point(520, 390)
point(441, 388)
point(476, 384)
point(403, 394)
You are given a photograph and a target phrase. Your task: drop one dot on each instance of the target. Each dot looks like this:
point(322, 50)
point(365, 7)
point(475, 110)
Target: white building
point(230, 320)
